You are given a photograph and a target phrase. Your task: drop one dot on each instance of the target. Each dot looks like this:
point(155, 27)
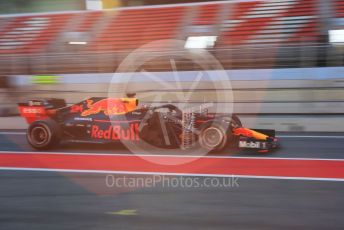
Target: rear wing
point(39, 109)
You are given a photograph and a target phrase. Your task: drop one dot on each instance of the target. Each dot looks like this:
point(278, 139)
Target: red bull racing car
point(104, 120)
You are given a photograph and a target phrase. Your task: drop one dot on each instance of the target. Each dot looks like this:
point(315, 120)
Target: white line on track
point(170, 174)
point(165, 155)
point(12, 133)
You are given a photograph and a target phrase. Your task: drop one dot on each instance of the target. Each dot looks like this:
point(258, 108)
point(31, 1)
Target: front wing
point(256, 139)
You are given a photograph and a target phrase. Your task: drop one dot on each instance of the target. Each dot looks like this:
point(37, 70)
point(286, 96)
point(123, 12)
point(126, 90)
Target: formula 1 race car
point(104, 120)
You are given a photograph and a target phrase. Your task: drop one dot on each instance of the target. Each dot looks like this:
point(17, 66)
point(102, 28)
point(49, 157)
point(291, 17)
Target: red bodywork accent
point(249, 133)
point(243, 132)
point(77, 109)
point(33, 113)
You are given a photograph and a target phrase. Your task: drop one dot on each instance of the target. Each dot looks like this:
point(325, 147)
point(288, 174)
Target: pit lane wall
point(293, 99)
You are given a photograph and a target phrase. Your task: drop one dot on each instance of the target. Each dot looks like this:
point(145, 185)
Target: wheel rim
point(212, 137)
point(39, 135)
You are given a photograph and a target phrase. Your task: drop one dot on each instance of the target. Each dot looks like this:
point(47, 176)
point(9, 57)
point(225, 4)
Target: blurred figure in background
point(7, 96)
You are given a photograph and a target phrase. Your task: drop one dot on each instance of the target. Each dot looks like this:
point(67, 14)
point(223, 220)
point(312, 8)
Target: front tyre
point(213, 137)
point(43, 134)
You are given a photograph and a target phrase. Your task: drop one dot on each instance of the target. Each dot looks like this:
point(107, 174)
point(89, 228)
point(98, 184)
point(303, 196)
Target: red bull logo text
point(116, 132)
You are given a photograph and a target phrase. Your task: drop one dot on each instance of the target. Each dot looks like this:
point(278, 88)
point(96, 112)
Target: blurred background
point(285, 58)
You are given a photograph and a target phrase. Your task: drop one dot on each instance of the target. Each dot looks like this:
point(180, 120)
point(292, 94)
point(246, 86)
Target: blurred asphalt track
point(55, 200)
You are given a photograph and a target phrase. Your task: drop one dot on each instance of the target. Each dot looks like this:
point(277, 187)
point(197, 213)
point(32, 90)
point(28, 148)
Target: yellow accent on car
point(259, 136)
point(130, 103)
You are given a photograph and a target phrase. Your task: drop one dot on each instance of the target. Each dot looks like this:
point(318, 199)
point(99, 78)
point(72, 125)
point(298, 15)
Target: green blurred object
point(45, 79)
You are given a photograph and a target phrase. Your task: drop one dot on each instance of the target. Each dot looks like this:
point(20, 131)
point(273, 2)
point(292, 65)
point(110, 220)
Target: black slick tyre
point(43, 134)
point(213, 137)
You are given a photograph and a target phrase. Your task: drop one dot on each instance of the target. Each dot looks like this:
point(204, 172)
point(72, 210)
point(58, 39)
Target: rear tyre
point(43, 134)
